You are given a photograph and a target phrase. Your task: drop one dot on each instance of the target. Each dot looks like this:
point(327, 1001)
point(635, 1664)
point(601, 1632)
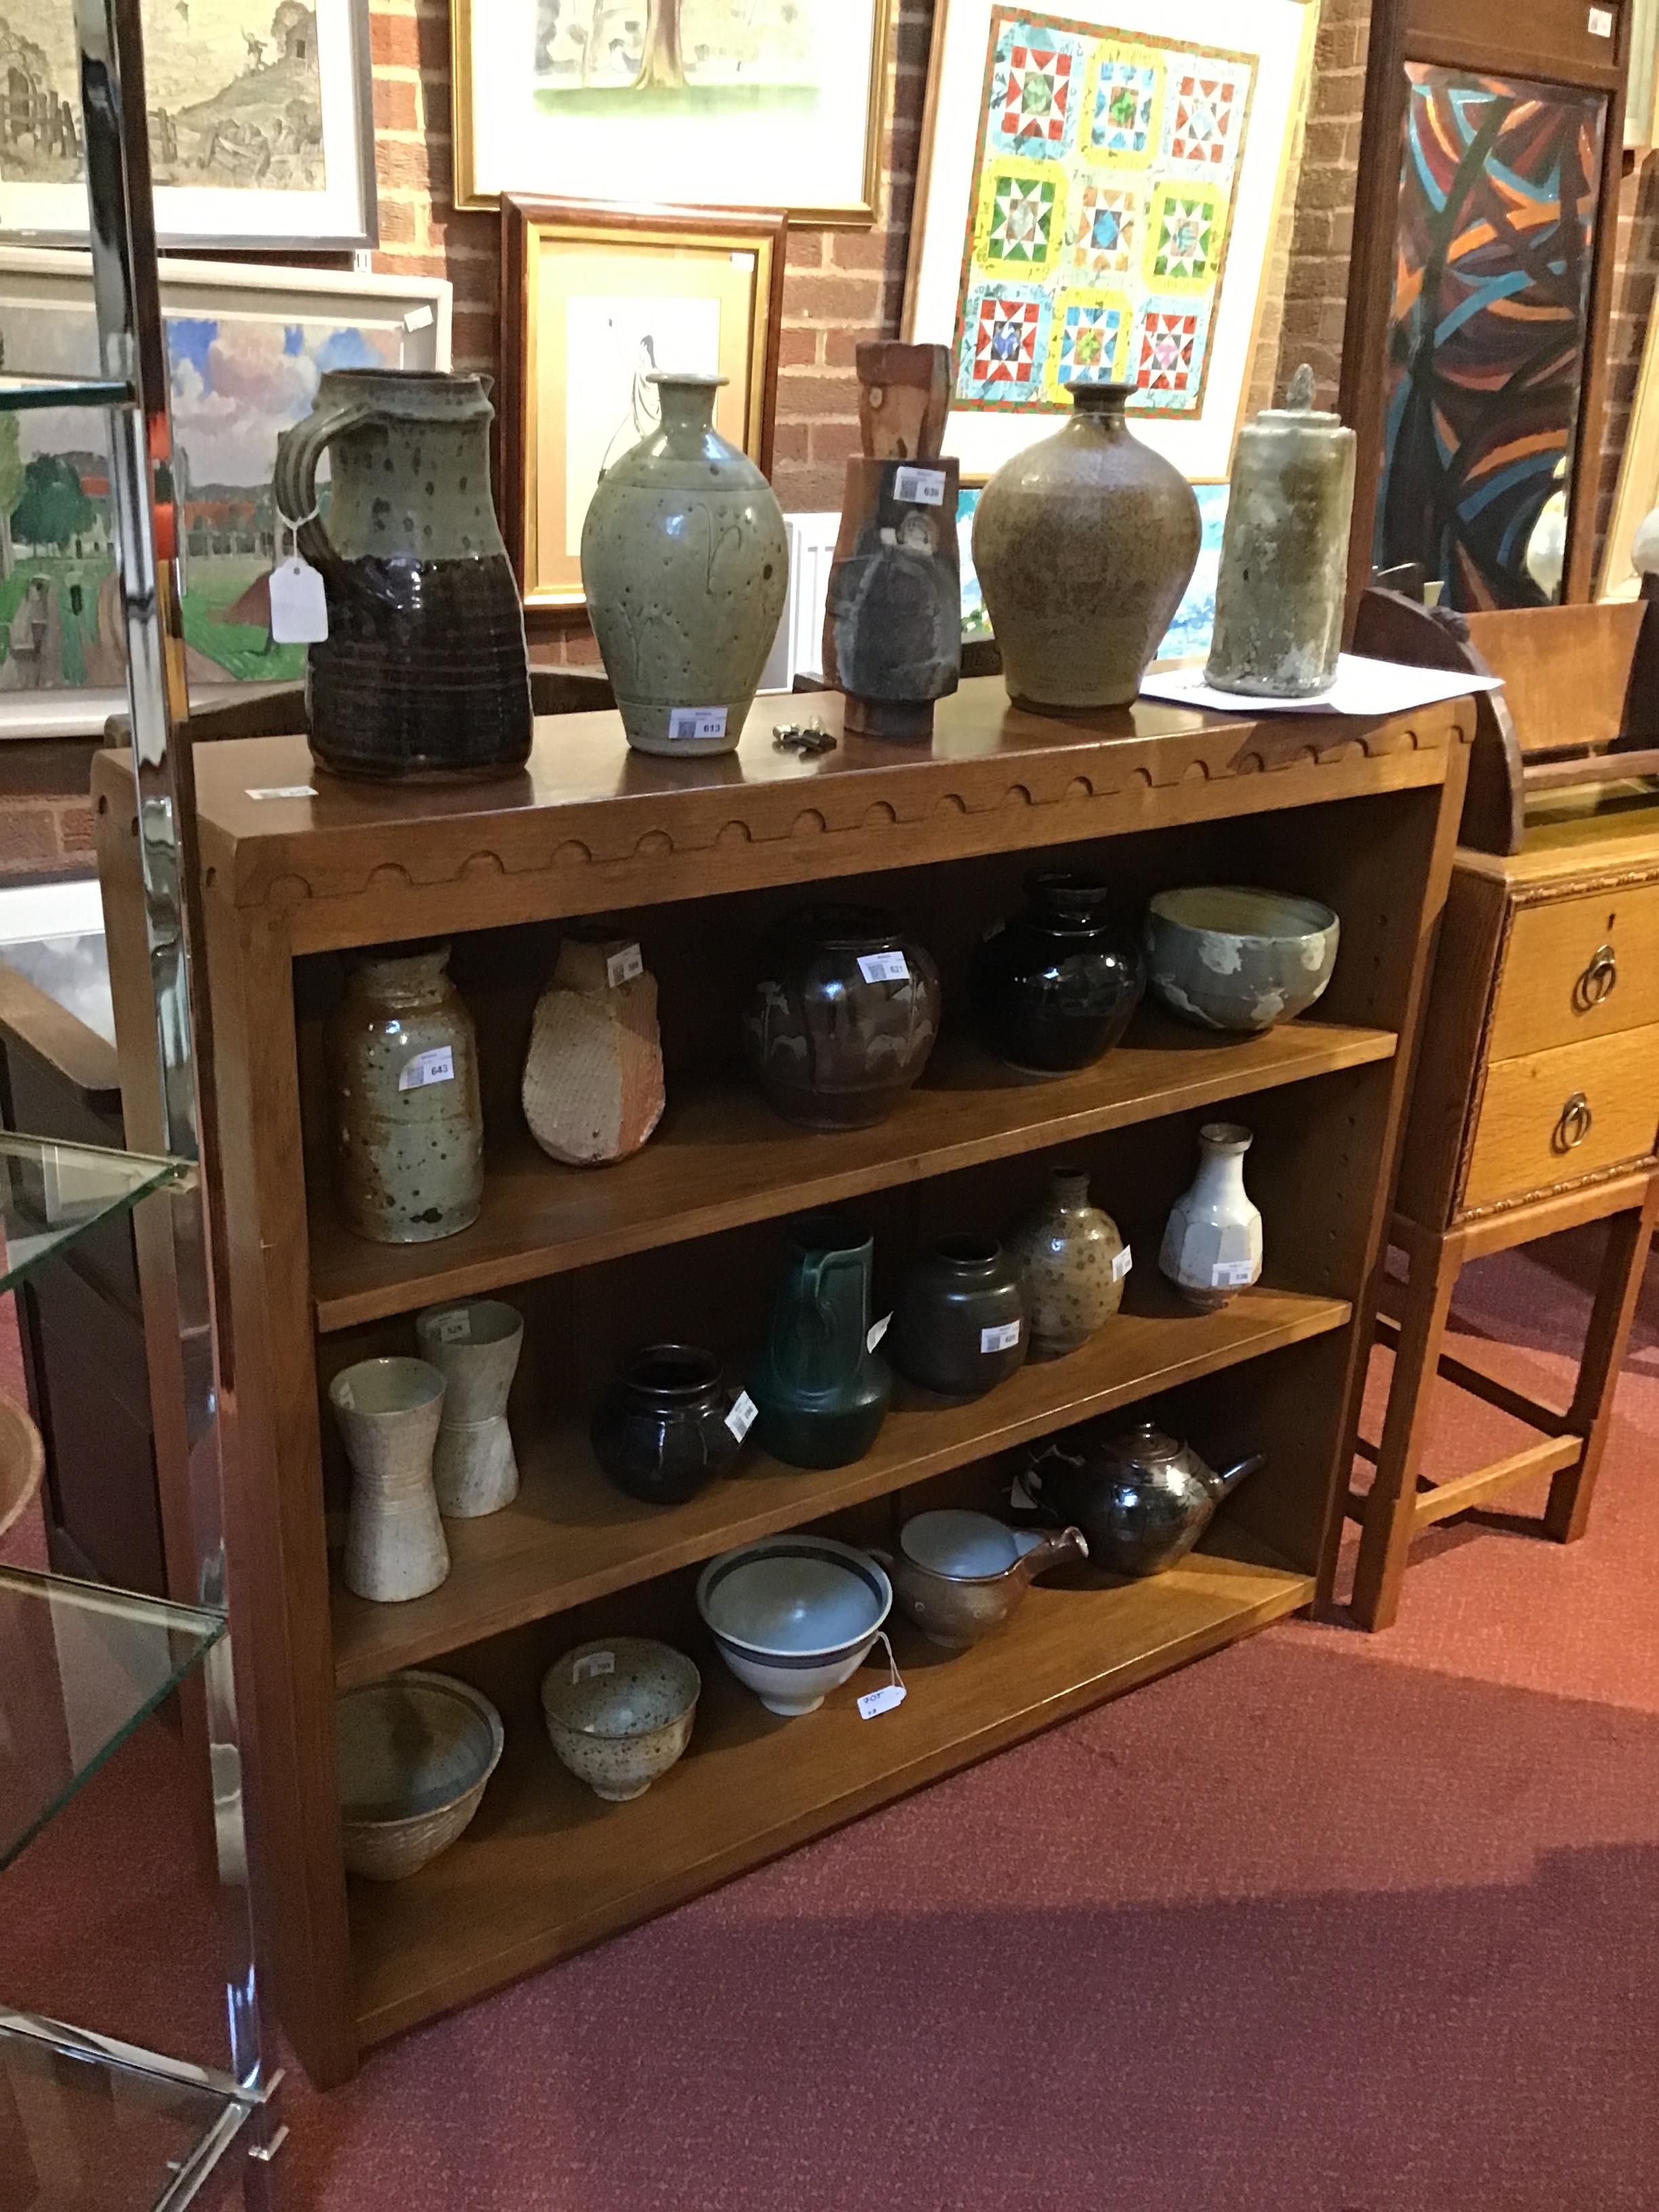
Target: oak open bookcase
point(683, 1240)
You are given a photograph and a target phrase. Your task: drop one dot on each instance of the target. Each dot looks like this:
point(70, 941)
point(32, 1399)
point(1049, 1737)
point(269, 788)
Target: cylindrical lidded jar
point(408, 1125)
point(1281, 595)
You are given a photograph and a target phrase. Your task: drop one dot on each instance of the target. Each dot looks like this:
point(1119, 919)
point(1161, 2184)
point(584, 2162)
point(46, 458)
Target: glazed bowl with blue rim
point(795, 1616)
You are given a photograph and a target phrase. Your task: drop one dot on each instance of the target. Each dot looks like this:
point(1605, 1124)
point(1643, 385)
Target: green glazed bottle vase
point(822, 1394)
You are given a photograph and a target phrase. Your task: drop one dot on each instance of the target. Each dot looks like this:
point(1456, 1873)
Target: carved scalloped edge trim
point(845, 810)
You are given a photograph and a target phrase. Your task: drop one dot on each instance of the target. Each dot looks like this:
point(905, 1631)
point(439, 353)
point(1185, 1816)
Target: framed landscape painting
point(261, 128)
point(246, 348)
point(1099, 199)
point(708, 103)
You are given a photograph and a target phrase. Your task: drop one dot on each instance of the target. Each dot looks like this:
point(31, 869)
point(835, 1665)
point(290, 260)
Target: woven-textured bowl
point(413, 1755)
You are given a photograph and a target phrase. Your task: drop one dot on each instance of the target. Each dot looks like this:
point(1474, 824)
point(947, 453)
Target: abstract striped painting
point(1487, 329)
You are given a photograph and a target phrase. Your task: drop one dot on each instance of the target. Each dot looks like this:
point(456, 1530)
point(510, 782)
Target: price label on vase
point(437, 1065)
point(697, 725)
point(884, 968)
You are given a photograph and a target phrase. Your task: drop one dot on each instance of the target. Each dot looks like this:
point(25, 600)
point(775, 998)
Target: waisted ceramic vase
point(686, 564)
point(841, 1016)
point(423, 674)
point(822, 1392)
point(1212, 1246)
point(1055, 987)
point(593, 1086)
point(959, 1325)
point(1084, 543)
point(1073, 1264)
point(408, 1126)
point(661, 1431)
point(388, 1411)
point(474, 1344)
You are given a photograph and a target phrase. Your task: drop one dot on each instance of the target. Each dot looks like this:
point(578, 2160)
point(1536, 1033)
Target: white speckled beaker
point(388, 1411)
point(474, 1343)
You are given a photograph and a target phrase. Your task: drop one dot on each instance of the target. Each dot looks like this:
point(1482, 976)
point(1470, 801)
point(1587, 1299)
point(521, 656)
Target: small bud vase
point(1212, 1241)
point(1072, 1266)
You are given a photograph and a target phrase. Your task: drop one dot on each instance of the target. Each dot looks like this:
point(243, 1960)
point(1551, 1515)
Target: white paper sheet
point(1362, 687)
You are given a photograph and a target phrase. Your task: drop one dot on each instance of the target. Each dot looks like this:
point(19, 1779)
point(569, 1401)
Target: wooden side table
point(1533, 1110)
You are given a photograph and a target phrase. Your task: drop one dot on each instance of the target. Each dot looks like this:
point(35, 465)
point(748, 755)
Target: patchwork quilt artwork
point(1105, 173)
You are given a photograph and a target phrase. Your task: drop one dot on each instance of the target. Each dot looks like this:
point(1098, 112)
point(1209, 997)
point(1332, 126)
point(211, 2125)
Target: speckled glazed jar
point(686, 564)
point(1084, 543)
point(408, 1126)
point(1073, 1265)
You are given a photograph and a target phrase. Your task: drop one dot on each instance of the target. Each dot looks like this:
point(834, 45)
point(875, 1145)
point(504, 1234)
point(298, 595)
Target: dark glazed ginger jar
point(959, 1325)
point(1055, 987)
point(661, 1431)
point(841, 1016)
point(424, 675)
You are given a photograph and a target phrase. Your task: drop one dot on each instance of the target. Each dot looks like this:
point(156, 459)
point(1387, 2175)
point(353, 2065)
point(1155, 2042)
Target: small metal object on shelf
point(803, 737)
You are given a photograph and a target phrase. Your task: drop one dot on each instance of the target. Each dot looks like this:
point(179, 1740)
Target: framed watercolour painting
point(594, 299)
point(261, 125)
point(1099, 199)
point(246, 348)
point(710, 102)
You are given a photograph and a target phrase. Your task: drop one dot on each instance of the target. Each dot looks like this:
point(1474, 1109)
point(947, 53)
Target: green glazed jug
point(820, 1392)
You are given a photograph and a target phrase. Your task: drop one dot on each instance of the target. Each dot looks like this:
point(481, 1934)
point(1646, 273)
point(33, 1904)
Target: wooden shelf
point(546, 1869)
point(570, 1535)
point(722, 1157)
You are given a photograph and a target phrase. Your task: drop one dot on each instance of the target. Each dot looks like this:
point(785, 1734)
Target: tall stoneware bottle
point(686, 564)
point(408, 1126)
point(424, 675)
point(1084, 543)
point(822, 1393)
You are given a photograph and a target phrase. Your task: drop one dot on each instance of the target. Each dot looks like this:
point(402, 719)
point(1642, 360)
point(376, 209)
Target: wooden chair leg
point(1386, 1535)
point(1590, 1415)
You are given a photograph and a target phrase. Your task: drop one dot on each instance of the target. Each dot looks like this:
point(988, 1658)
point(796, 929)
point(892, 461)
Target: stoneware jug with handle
point(821, 1390)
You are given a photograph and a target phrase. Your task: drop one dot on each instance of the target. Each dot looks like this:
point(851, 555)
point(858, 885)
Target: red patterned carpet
point(1328, 1923)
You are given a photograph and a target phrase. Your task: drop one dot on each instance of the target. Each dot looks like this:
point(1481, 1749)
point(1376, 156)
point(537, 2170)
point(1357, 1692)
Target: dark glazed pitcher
point(822, 1392)
point(423, 674)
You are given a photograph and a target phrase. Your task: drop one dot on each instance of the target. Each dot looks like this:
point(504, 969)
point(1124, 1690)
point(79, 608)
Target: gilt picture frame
point(1098, 197)
point(262, 125)
point(597, 297)
point(692, 102)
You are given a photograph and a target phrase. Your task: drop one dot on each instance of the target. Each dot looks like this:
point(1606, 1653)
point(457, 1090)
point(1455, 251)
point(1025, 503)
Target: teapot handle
point(294, 492)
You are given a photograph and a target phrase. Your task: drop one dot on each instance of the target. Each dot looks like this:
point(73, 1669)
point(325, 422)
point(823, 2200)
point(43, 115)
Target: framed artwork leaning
point(1099, 192)
point(593, 300)
point(724, 103)
point(261, 124)
point(246, 347)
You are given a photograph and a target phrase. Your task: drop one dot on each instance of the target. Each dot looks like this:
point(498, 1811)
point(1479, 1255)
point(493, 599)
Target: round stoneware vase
point(408, 1125)
point(1055, 987)
point(959, 1323)
point(1073, 1263)
point(1084, 543)
point(840, 1016)
point(424, 675)
point(685, 565)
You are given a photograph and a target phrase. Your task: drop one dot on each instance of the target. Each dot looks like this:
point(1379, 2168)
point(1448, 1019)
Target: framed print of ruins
point(260, 125)
point(1099, 201)
point(707, 103)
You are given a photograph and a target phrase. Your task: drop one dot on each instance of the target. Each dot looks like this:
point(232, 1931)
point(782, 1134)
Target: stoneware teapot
point(960, 1575)
point(1142, 1499)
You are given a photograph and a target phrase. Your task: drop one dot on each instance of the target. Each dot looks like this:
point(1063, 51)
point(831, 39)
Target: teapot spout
point(1223, 1485)
point(1039, 1554)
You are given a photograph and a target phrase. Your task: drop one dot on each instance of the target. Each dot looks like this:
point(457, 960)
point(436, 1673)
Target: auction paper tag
point(592, 1664)
point(1002, 1337)
point(696, 723)
point(877, 1330)
point(882, 1701)
point(1232, 1274)
point(1121, 1263)
point(417, 319)
point(1600, 22)
point(622, 967)
point(884, 968)
point(284, 791)
point(299, 611)
point(920, 487)
point(741, 1418)
point(1020, 1497)
point(437, 1065)
point(454, 1327)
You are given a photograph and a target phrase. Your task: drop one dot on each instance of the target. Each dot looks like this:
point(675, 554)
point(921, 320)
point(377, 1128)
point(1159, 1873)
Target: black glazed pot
point(660, 1432)
point(959, 1325)
point(1054, 987)
point(842, 1014)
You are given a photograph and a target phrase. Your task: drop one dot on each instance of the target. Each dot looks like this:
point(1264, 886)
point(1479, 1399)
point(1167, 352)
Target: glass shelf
point(53, 1193)
point(19, 393)
point(82, 1667)
point(83, 2125)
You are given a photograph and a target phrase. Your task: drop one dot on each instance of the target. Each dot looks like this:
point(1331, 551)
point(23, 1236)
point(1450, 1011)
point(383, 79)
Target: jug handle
point(294, 492)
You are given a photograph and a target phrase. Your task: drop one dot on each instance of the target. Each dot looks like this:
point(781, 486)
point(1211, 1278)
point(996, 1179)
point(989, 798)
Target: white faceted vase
point(1212, 1245)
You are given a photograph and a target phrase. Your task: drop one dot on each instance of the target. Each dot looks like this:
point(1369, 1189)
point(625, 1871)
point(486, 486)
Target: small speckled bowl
point(1229, 958)
point(619, 1712)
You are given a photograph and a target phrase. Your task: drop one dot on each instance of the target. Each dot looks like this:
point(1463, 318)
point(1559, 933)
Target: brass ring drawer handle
point(1575, 1124)
point(1597, 980)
